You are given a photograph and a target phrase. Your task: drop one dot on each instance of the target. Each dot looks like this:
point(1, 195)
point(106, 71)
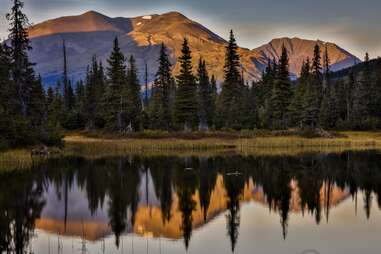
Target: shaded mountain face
point(93, 33)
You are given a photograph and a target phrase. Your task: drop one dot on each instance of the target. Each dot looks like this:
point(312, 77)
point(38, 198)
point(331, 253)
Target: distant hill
point(374, 64)
point(92, 34)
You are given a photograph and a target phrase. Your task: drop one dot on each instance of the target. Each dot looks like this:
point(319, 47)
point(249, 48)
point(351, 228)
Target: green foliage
point(134, 104)
point(296, 106)
point(229, 102)
point(114, 101)
point(23, 106)
point(329, 106)
point(185, 106)
point(206, 96)
point(281, 93)
point(161, 103)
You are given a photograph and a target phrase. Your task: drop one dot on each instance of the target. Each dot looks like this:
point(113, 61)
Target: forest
point(112, 99)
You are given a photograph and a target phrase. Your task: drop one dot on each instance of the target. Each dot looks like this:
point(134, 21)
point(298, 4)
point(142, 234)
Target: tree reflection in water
point(186, 188)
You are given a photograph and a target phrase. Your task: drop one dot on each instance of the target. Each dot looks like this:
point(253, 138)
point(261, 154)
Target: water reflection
point(170, 197)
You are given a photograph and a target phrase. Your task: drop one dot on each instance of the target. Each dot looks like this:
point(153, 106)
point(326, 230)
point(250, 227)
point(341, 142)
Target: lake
point(306, 204)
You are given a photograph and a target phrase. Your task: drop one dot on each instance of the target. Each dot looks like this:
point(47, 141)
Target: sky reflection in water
point(255, 204)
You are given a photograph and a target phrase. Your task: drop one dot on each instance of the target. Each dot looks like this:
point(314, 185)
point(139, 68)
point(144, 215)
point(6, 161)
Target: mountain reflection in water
point(171, 198)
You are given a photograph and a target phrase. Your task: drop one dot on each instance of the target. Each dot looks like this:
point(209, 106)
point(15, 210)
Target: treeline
point(111, 98)
point(24, 118)
point(320, 98)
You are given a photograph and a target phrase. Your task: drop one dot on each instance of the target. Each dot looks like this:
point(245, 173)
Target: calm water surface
point(315, 203)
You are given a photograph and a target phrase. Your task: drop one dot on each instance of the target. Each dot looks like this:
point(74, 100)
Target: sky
point(354, 25)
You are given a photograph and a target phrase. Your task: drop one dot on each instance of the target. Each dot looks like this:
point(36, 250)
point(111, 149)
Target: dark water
point(256, 204)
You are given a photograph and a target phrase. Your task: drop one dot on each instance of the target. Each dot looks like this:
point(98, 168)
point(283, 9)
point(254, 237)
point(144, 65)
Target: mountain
point(92, 34)
point(299, 49)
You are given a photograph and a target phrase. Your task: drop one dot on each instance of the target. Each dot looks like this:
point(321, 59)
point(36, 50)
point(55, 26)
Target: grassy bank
point(220, 140)
point(256, 144)
point(15, 159)
point(93, 146)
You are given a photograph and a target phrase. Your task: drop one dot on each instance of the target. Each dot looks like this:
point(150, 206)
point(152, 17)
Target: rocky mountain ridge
point(92, 33)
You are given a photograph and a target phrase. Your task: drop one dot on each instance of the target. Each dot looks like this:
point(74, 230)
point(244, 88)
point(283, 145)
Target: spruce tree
point(263, 90)
point(160, 108)
point(296, 106)
point(8, 100)
point(281, 93)
point(313, 95)
point(362, 96)
point(134, 103)
point(22, 72)
point(185, 106)
point(205, 96)
point(230, 103)
point(365, 88)
point(29, 127)
point(328, 110)
point(114, 102)
point(316, 72)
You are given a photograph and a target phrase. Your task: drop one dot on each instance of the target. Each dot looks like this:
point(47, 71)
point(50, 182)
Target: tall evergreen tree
point(263, 91)
point(134, 103)
point(161, 101)
point(230, 103)
point(29, 105)
point(114, 101)
point(296, 106)
point(185, 106)
point(281, 93)
point(316, 72)
point(328, 110)
point(362, 96)
point(314, 90)
point(22, 72)
point(9, 109)
point(205, 96)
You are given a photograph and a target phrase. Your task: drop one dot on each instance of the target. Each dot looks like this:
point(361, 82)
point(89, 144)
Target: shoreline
point(94, 147)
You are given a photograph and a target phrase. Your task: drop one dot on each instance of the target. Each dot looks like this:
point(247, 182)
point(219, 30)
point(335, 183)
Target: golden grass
point(347, 140)
point(287, 145)
point(15, 159)
point(88, 147)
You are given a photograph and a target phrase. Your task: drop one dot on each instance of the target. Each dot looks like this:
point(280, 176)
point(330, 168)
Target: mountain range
point(93, 33)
